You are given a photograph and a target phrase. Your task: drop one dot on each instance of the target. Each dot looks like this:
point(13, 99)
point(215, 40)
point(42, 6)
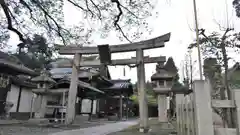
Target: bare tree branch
point(120, 12)
point(26, 5)
point(202, 32)
point(9, 20)
point(29, 9)
point(77, 5)
point(118, 18)
point(89, 9)
point(125, 36)
point(49, 16)
point(225, 33)
point(219, 25)
point(99, 12)
point(48, 24)
point(130, 12)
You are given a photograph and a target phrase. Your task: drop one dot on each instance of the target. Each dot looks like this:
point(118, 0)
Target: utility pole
point(197, 37)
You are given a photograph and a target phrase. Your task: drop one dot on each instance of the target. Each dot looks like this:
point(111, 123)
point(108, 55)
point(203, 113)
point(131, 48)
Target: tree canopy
point(171, 67)
point(37, 54)
point(236, 5)
point(46, 17)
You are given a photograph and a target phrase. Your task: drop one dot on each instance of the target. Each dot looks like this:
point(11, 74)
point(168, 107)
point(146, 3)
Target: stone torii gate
point(140, 60)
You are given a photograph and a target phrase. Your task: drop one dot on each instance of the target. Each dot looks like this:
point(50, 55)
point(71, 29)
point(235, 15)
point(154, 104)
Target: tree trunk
point(228, 112)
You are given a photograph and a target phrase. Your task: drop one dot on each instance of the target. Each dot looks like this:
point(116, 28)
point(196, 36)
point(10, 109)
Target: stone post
point(179, 98)
point(162, 108)
point(203, 108)
point(41, 102)
point(43, 106)
point(236, 97)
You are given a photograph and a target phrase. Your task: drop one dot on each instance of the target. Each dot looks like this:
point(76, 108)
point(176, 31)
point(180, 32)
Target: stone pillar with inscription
point(43, 82)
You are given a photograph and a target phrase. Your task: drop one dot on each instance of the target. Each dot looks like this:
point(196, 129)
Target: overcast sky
point(175, 16)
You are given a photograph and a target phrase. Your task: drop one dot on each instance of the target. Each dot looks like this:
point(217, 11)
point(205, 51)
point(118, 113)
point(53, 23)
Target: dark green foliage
point(236, 5)
point(170, 66)
point(37, 55)
point(210, 45)
point(149, 88)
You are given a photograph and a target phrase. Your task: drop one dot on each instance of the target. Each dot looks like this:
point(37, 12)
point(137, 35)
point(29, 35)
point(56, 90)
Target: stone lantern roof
point(162, 73)
point(44, 77)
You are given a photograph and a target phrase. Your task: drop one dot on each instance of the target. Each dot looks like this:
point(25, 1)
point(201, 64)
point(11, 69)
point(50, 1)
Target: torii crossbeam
point(146, 44)
point(78, 51)
point(117, 62)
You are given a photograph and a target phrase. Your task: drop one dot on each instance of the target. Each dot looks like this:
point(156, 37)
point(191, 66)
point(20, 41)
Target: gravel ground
point(156, 129)
point(27, 130)
point(21, 129)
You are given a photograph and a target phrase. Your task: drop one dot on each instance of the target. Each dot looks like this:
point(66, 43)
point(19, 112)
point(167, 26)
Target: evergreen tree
point(170, 66)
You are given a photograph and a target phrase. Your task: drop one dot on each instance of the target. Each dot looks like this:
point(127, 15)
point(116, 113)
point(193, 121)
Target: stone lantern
point(163, 85)
point(43, 83)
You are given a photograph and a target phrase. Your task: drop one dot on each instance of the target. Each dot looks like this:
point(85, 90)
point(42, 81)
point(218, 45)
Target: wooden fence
point(185, 114)
point(195, 111)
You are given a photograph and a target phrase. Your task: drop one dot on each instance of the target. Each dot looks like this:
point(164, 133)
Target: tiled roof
point(163, 75)
point(67, 79)
point(23, 82)
point(123, 86)
point(58, 73)
point(43, 78)
point(12, 62)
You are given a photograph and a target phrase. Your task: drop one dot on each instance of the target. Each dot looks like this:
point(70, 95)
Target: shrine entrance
point(105, 52)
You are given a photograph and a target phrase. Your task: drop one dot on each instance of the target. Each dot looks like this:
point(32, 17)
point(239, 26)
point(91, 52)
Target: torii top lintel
point(146, 44)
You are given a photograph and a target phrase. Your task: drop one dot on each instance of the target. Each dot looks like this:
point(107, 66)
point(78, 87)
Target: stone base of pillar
point(37, 115)
point(144, 130)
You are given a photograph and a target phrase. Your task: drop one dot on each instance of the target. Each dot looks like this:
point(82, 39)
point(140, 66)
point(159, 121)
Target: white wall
point(25, 102)
point(86, 106)
point(13, 97)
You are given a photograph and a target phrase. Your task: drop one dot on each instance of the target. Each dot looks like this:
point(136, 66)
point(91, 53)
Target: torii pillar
point(70, 112)
point(143, 107)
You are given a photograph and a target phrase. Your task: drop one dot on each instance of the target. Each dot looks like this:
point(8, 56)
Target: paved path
point(12, 128)
point(9, 122)
point(100, 130)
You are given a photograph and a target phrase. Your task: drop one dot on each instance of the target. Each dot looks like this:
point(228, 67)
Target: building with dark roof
point(15, 87)
point(94, 88)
